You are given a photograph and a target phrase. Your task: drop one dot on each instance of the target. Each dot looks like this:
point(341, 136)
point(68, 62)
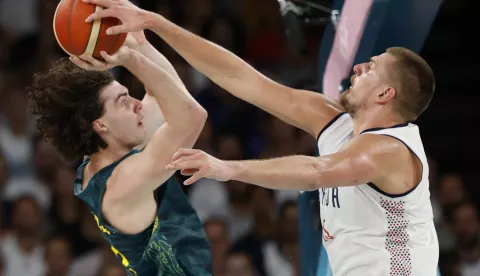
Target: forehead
point(112, 91)
point(383, 59)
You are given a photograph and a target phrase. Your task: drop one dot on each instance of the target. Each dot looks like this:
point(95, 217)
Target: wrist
point(234, 169)
point(132, 57)
point(153, 21)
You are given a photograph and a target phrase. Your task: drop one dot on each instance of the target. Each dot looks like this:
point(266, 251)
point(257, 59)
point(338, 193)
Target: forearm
point(154, 55)
point(218, 64)
point(178, 106)
point(296, 172)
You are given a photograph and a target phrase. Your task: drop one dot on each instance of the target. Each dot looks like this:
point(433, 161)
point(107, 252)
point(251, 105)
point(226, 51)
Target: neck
point(372, 119)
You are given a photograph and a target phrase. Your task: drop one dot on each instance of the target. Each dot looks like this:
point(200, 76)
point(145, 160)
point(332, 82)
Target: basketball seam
point(94, 33)
point(98, 37)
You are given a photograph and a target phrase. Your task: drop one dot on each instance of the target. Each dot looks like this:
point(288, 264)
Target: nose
point(138, 106)
point(361, 68)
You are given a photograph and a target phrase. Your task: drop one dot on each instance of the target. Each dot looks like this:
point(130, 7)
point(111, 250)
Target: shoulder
point(383, 154)
point(381, 150)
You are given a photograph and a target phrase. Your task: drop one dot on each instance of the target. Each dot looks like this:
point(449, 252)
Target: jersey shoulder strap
point(335, 134)
point(92, 194)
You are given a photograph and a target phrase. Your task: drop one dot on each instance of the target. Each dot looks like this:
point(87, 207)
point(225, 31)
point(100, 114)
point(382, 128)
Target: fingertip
point(110, 31)
point(104, 55)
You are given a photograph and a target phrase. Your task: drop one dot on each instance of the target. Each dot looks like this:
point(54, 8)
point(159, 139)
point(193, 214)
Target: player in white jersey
point(372, 172)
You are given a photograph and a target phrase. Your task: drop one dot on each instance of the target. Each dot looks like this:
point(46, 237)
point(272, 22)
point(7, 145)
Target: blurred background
point(45, 230)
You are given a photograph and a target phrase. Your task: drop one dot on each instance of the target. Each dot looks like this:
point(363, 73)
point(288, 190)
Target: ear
point(386, 95)
point(99, 126)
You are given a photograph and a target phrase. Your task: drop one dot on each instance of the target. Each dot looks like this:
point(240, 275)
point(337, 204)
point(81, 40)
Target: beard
point(350, 107)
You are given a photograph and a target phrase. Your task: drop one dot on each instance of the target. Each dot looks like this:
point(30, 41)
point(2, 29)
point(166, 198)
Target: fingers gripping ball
point(77, 38)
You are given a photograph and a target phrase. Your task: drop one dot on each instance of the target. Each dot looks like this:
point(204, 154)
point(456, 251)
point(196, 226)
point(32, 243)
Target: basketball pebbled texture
point(76, 37)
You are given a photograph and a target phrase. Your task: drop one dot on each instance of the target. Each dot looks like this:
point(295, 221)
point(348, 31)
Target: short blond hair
point(415, 82)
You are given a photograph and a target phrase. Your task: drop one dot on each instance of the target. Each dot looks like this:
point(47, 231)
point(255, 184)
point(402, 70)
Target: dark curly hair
point(66, 101)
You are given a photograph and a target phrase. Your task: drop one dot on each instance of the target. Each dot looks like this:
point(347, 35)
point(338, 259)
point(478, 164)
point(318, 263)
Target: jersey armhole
point(330, 124)
point(377, 189)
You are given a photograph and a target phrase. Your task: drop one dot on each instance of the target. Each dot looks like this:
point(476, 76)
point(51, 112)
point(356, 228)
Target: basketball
point(78, 38)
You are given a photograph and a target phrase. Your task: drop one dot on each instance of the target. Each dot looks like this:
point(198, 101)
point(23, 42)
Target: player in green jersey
point(139, 208)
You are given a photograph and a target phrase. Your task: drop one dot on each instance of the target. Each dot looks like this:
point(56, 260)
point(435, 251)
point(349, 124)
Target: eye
point(125, 102)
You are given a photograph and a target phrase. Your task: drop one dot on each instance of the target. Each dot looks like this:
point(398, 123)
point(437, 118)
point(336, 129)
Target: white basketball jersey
point(367, 232)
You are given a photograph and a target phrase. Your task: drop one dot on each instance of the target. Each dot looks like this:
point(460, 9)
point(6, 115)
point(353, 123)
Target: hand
point(88, 62)
point(198, 164)
point(133, 18)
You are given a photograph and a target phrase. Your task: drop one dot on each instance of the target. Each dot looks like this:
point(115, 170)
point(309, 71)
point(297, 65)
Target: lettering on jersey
point(329, 197)
point(117, 253)
point(124, 260)
point(102, 228)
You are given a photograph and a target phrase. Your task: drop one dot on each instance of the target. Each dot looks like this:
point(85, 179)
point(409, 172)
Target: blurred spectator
point(451, 190)
point(449, 194)
point(239, 213)
point(239, 264)
point(112, 269)
point(22, 247)
point(282, 255)
point(264, 227)
point(229, 148)
point(58, 256)
point(465, 226)
point(216, 230)
point(91, 263)
point(16, 132)
point(2, 266)
point(67, 211)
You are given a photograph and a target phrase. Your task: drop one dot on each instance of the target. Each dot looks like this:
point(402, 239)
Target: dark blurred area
point(253, 231)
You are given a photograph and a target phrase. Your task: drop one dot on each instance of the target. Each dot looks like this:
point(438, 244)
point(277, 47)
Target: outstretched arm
point(365, 160)
point(304, 109)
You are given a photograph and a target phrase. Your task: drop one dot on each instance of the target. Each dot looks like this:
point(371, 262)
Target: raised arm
point(303, 109)
point(142, 173)
point(154, 117)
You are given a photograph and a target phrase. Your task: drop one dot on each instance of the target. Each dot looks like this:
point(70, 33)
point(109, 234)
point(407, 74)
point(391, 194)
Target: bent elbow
point(198, 116)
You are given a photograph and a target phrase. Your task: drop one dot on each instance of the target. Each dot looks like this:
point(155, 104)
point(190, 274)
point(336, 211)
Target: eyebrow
point(121, 95)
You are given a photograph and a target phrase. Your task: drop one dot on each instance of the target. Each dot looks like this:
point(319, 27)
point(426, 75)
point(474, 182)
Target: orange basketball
point(78, 38)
